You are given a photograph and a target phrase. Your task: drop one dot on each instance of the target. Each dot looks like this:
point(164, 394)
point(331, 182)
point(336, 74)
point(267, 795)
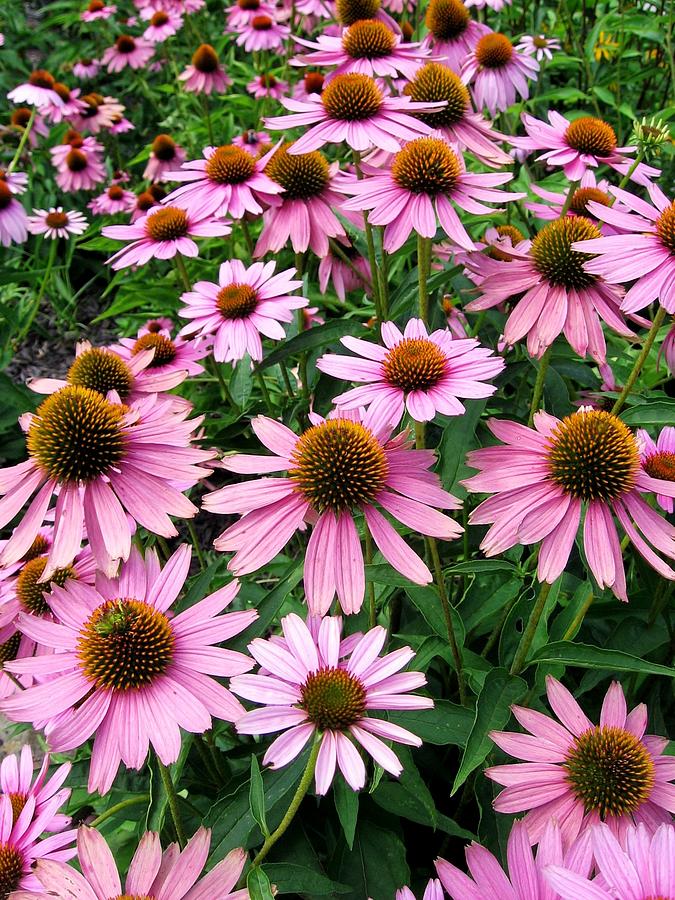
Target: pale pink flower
point(336, 468)
point(243, 11)
point(415, 371)
point(78, 168)
point(227, 181)
point(453, 34)
point(37, 91)
point(17, 182)
point(121, 126)
point(13, 218)
point(262, 32)
point(267, 86)
point(17, 646)
point(165, 155)
point(433, 891)
point(312, 83)
point(112, 201)
point(252, 141)
point(161, 325)
point(124, 659)
point(245, 304)
point(127, 51)
point(496, 5)
point(668, 350)
point(585, 143)
point(590, 188)
point(163, 24)
point(171, 354)
point(538, 45)
point(312, 691)
point(98, 9)
point(345, 277)
point(70, 105)
point(99, 112)
point(497, 72)
point(549, 479)
point(19, 781)
point(147, 200)
point(658, 460)
point(86, 68)
point(161, 233)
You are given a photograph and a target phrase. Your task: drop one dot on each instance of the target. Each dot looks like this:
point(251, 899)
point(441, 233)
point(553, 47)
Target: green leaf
point(290, 878)
point(660, 412)
point(377, 867)
point(408, 797)
point(588, 657)
point(258, 884)
point(457, 440)
point(493, 710)
point(479, 566)
point(241, 382)
point(269, 607)
point(319, 336)
point(347, 806)
point(446, 723)
point(256, 796)
point(159, 802)
point(427, 601)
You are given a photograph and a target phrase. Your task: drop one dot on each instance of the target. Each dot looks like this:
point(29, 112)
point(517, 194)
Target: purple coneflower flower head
point(312, 691)
point(496, 5)
point(99, 112)
point(526, 878)
point(337, 468)
point(243, 11)
point(585, 143)
point(267, 86)
point(590, 188)
point(123, 660)
point(205, 75)
point(658, 460)
point(98, 9)
point(345, 276)
point(86, 68)
point(173, 875)
point(644, 254)
point(421, 372)
point(497, 72)
point(252, 141)
point(549, 479)
point(127, 51)
point(355, 109)
point(112, 201)
point(37, 91)
point(79, 164)
point(70, 104)
point(433, 891)
point(245, 304)
point(262, 32)
point(538, 45)
point(17, 182)
point(453, 34)
point(162, 25)
point(172, 355)
point(19, 120)
point(580, 774)
point(165, 155)
point(425, 178)
point(310, 83)
point(641, 865)
point(19, 782)
point(13, 218)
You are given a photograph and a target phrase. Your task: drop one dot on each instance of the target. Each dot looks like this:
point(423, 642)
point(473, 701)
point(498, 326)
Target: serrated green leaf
point(445, 723)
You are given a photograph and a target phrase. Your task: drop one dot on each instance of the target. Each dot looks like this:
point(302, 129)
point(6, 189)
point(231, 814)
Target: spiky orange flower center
point(125, 644)
point(610, 771)
point(435, 82)
point(447, 19)
point(582, 197)
point(164, 147)
point(237, 301)
point(205, 59)
point(9, 649)
point(302, 175)
point(96, 5)
point(333, 699)
point(414, 364)
point(493, 51)
point(352, 97)
point(125, 44)
point(262, 23)
point(230, 165)
point(39, 547)
point(20, 117)
point(350, 11)
point(11, 869)
point(660, 465)
point(159, 18)
point(62, 90)
point(18, 800)
point(368, 39)
point(145, 201)
point(592, 455)
point(313, 82)
point(554, 257)
point(115, 192)
point(41, 78)
point(56, 219)
point(248, 5)
point(133, 897)
point(338, 465)
point(426, 166)
point(592, 136)
point(164, 347)
point(76, 435)
point(6, 195)
point(167, 224)
point(101, 370)
point(76, 160)
point(665, 227)
point(31, 591)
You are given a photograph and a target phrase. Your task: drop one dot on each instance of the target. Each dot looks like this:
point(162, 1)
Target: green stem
point(172, 797)
point(661, 596)
point(207, 761)
point(123, 804)
point(579, 618)
point(225, 391)
point(447, 615)
point(195, 543)
point(372, 616)
point(374, 271)
point(207, 117)
point(423, 270)
point(38, 300)
point(659, 319)
point(384, 281)
point(287, 380)
point(496, 631)
point(294, 806)
point(420, 435)
point(568, 199)
point(638, 159)
point(538, 391)
point(520, 658)
point(263, 389)
point(182, 271)
point(247, 237)
point(164, 547)
point(22, 142)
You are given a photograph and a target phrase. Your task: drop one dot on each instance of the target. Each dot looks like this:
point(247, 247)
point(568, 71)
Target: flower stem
point(420, 435)
point(181, 268)
point(195, 543)
point(538, 391)
point(568, 199)
point(172, 797)
point(579, 618)
point(530, 630)
point(22, 142)
point(626, 178)
point(225, 391)
point(423, 270)
point(263, 390)
point(447, 615)
point(372, 615)
point(384, 281)
point(40, 294)
point(207, 117)
point(123, 804)
point(247, 237)
point(370, 243)
point(298, 797)
point(659, 319)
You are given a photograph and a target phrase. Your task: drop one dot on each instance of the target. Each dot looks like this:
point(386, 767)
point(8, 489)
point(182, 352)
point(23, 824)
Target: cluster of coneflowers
point(383, 137)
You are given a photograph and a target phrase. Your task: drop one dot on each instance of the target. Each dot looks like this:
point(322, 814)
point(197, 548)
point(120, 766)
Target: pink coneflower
point(17, 182)
point(433, 891)
point(538, 45)
point(163, 24)
point(113, 200)
point(305, 215)
point(99, 112)
point(21, 847)
point(37, 91)
point(165, 155)
point(457, 121)
point(367, 46)
point(245, 304)
point(526, 879)
point(421, 372)
point(312, 83)
point(454, 316)
point(121, 125)
point(453, 34)
point(19, 782)
point(310, 690)
point(642, 865)
point(171, 354)
point(104, 461)
point(132, 662)
point(79, 168)
point(581, 774)
point(645, 255)
point(17, 646)
point(425, 179)
point(497, 72)
point(98, 9)
point(160, 325)
point(228, 181)
point(161, 233)
point(335, 468)
point(86, 68)
point(590, 188)
point(550, 478)
point(19, 120)
point(13, 218)
point(172, 875)
point(658, 460)
point(267, 86)
point(345, 277)
point(353, 108)
point(262, 32)
point(668, 350)
point(69, 107)
point(243, 11)
point(585, 143)
point(127, 51)
point(252, 141)
point(555, 292)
